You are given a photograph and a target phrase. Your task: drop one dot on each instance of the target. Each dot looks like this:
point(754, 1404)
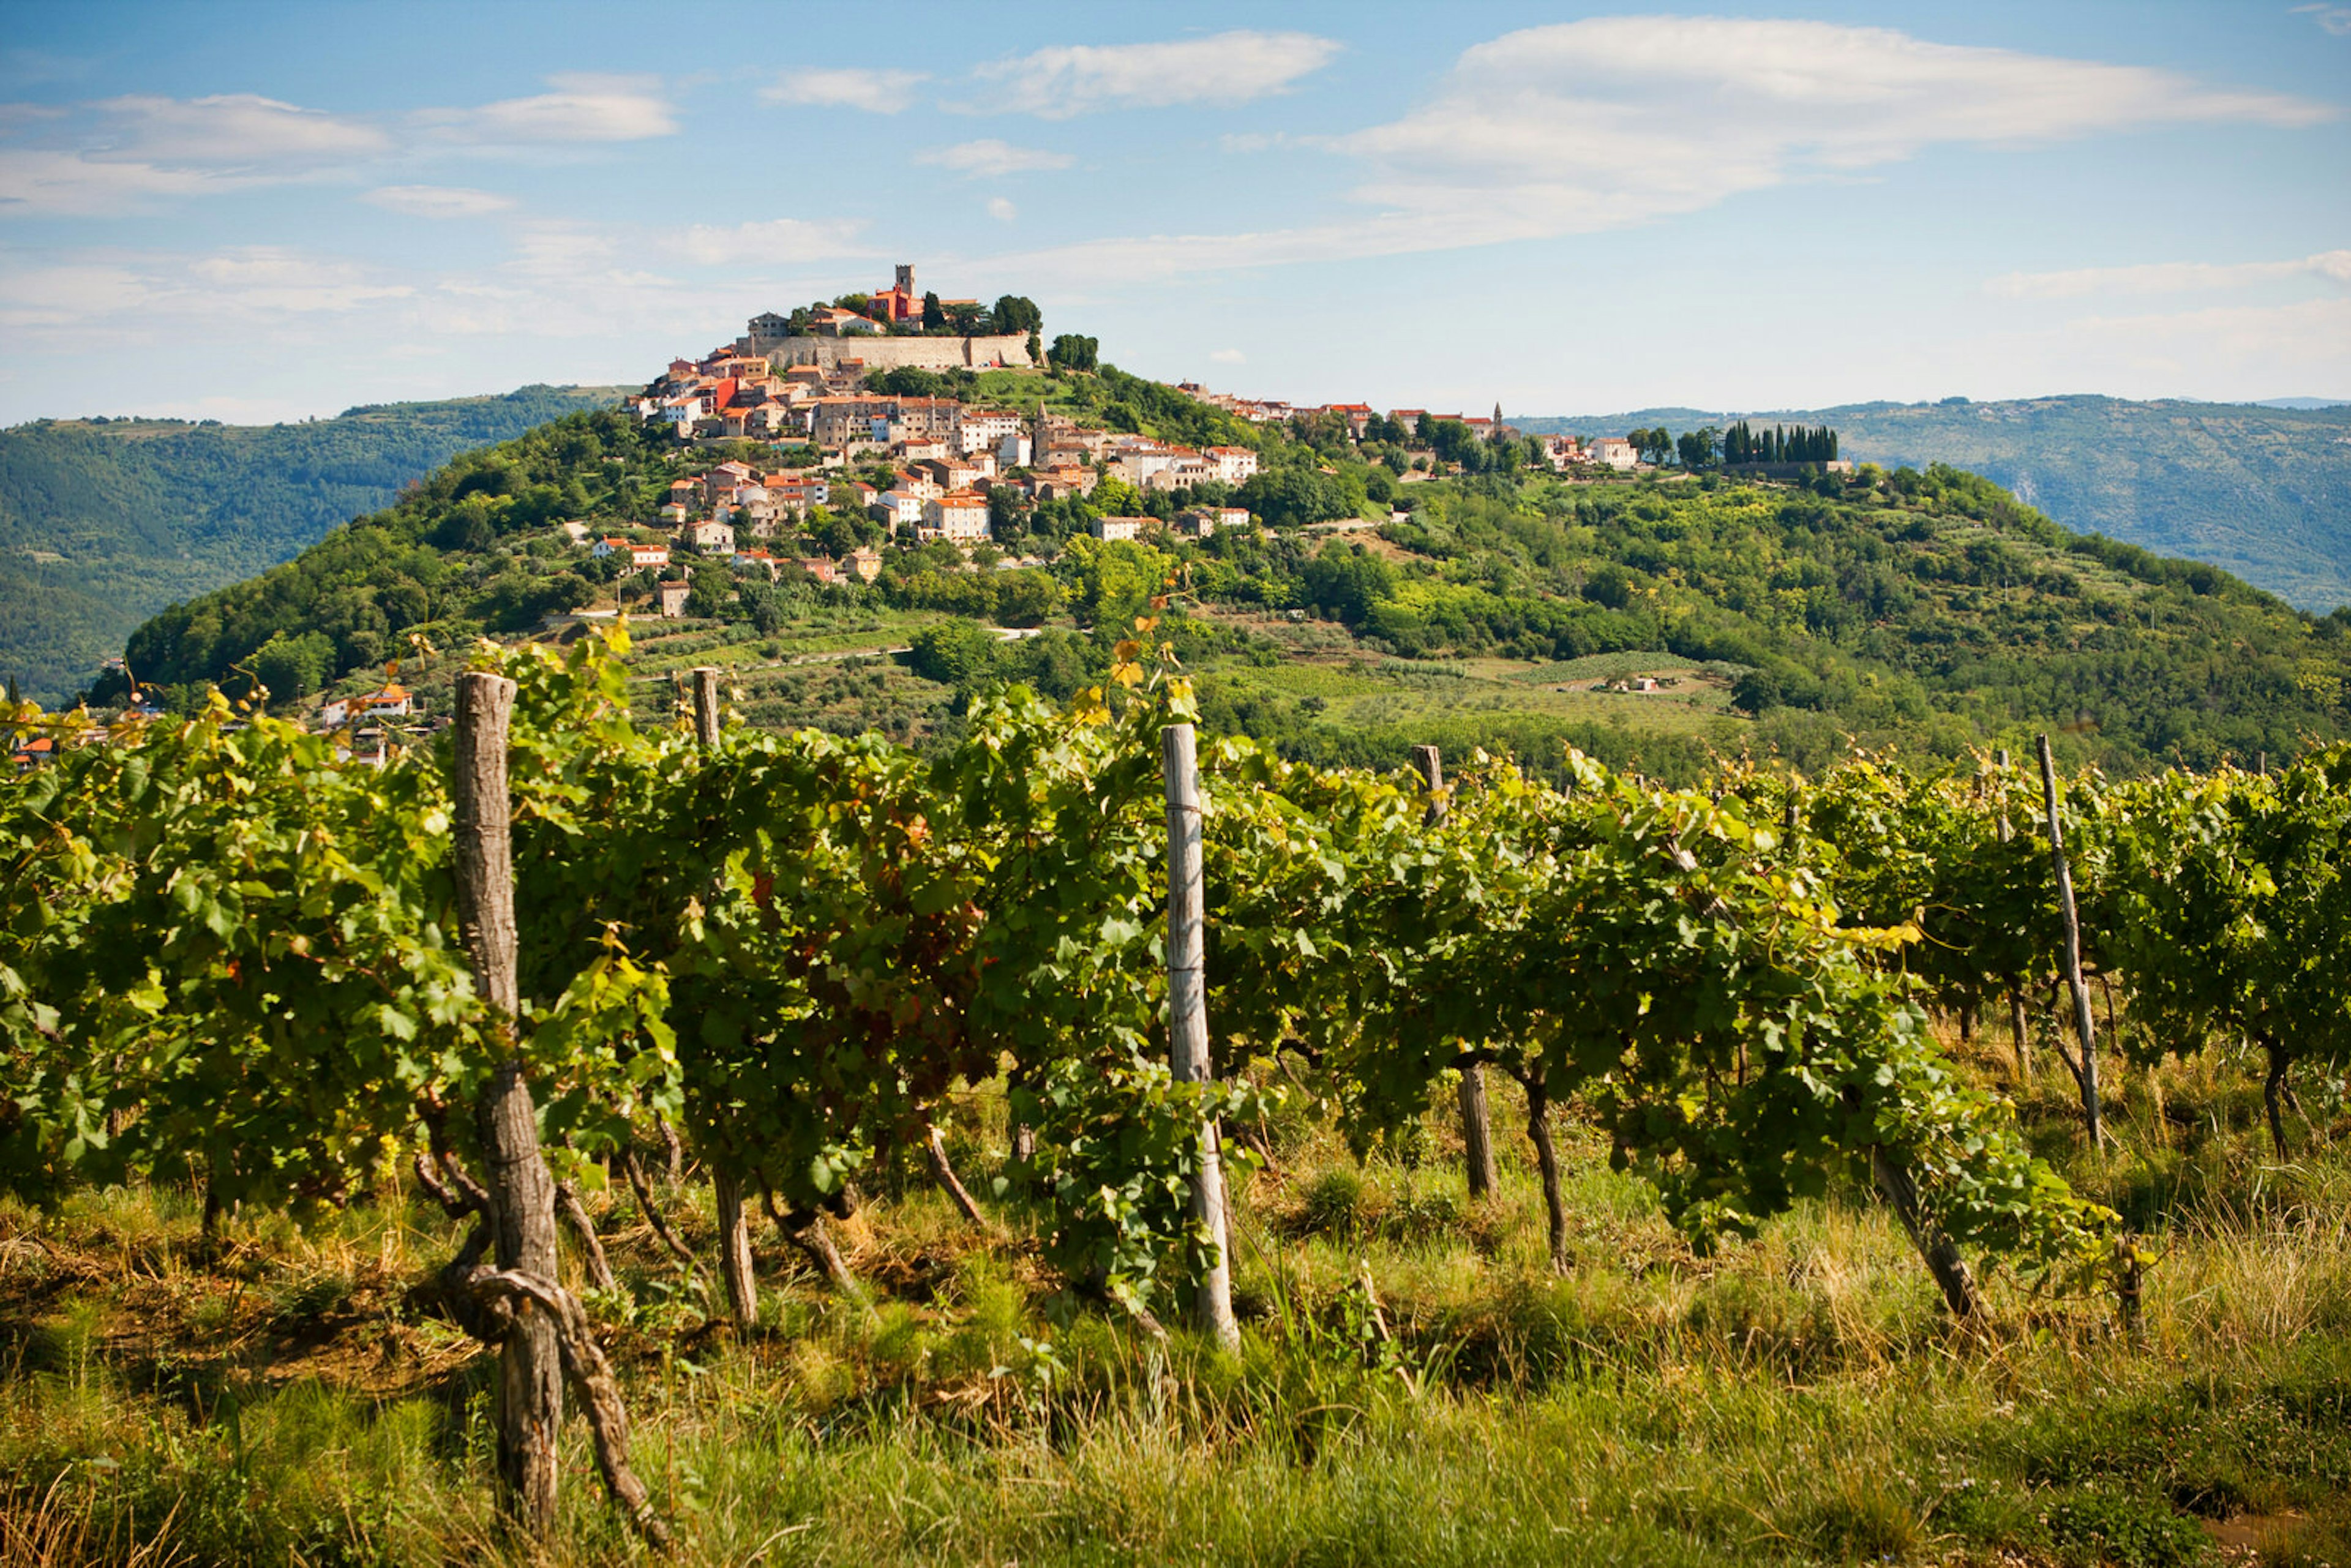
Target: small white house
point(960, 516)
point(640, 556)
point(898, 508)
point(1615, 452)
point(1234, 464)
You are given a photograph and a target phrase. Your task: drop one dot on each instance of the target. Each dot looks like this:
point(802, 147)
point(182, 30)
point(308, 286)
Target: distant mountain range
point(2262, 490)
point(104, 522)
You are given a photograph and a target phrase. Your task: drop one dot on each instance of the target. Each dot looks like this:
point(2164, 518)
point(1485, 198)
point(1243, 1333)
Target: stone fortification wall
point(881, 352)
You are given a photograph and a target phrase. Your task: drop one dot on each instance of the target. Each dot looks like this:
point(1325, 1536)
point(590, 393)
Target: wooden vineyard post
point(735, 1262)
point(1187, 1020)
point(2083, 1024)
point(521, 1192)
point(1476, 1120)
point(2015, 992)
point(1942, 1258)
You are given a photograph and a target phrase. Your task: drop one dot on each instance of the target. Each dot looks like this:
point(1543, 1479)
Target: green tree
point(1294, 495)
point(934, 315)
point(953, 653)
point(292, 667)
point(710, 594)
point(1017, 313)
point(1026, 598)
point(1345, 580)
point(841, 533)
point(1113, 581)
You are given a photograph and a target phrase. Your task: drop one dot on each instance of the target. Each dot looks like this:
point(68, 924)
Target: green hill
point(2264, 491)
point(1929, 610)
point(104, 522)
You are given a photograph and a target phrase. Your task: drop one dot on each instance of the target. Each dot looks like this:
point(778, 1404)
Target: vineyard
point(1073, 1145)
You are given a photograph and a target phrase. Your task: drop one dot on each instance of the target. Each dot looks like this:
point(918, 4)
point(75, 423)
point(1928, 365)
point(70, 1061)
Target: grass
point(816, 632)
point(1370, 691)
point(289, 1398)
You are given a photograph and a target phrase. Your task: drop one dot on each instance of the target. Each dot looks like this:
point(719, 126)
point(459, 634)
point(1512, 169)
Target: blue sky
point(267, 212)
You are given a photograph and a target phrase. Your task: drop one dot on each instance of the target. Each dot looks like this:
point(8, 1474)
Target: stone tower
point(906, 281)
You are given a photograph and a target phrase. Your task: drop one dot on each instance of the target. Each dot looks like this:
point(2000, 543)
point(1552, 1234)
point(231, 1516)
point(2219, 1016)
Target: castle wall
point(881, 352)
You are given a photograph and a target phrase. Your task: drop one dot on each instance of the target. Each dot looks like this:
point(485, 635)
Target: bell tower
point(906, 281)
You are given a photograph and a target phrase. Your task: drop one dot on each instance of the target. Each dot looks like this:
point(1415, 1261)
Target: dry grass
point(1800, 1398)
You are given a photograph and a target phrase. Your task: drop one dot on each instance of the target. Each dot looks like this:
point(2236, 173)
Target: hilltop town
point(846, 478)
point(851, 397)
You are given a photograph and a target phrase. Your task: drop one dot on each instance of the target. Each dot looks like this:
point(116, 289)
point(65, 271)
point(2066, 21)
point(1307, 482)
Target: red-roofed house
point(639, 555)
point(1235, 465)
point(960, 516)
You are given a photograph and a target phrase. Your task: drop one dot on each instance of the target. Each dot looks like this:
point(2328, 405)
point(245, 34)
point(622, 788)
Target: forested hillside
point(2265, 492)
point(1930, 609)
point(104, 522)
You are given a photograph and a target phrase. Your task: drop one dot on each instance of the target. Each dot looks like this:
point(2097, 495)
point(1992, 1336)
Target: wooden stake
point(943, 1172)
point(1538, 1088)
point(1477, 1119)
point(521, 1193)
point(736, 1263)
point(2015, 996)
point(1187, 1020)
point(2083, 1024)
point(1942, 1257)
point(2017, 1027)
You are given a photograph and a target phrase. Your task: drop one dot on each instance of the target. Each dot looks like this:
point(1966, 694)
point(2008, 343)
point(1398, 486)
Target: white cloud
point(131, 151)
point(2229, 345)
point(2169, 277)
point(581, 108)
point(70, 295)
point(876, 92)
point(992, 159)
point(785, 240)
point(37, 182)
point(1608, 124)
point(2335, 19)
point(1002, 210)
point(241, 287)
point(269, 278)
point(1229, 68)
point(437, 201)
point(120, 155)
point(239, 129)
point(15, 114)
point(1596, 124)
point(1230, 357)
